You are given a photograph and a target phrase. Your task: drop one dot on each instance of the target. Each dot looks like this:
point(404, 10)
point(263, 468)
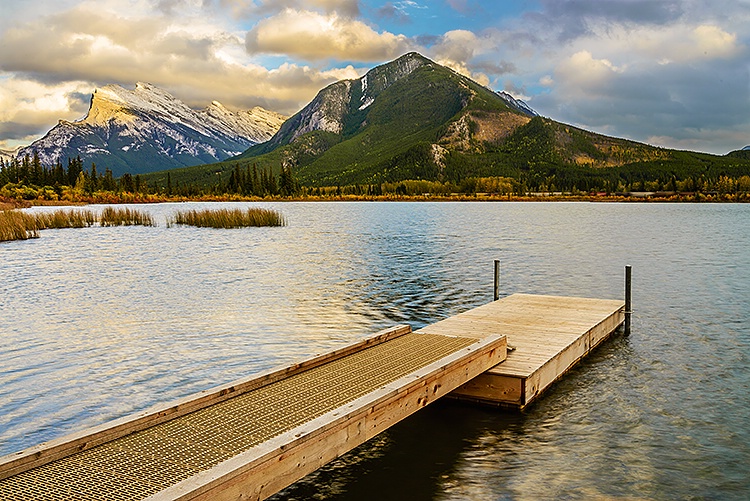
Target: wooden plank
point(266, 469)
point(492, 389)
point(47, 452)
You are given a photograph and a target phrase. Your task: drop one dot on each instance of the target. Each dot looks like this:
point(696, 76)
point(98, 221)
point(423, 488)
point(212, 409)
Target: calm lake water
point(99, 323)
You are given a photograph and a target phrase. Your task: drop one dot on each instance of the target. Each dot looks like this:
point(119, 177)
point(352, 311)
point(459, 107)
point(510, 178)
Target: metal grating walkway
point(146, 462)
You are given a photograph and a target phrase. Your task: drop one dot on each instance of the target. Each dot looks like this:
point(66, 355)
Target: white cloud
point(46, 78)
point(315, 36)
point(457, 50)
point(681, 42)
point(254, 9)
point(25, 104)
point(584, 72)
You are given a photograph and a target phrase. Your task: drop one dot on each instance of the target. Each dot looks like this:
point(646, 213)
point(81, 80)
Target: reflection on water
point(98, 323)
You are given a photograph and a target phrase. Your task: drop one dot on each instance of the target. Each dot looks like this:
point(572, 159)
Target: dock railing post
point(497, 279)
point(628, 304)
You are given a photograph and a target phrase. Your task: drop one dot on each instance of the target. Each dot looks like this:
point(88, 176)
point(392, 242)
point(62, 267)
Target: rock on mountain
point(147, 129)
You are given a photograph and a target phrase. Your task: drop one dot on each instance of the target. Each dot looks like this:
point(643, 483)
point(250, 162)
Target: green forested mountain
point(415, 119)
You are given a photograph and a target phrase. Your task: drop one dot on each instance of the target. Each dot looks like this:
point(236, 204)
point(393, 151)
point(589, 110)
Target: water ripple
point(99, 323)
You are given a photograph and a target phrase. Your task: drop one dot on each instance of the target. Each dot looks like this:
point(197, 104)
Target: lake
point(99, 323)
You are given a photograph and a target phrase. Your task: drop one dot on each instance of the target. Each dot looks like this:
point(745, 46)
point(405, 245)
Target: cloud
point(639, 12)
point(666, 72)
point(672, 104)
point(395, 13)
point(197, 59)
point(248, 8)
point(314, 36)
point(685, 43)
point(24, 104)
point(472, 55)
point(584, 73)
point(568, 20)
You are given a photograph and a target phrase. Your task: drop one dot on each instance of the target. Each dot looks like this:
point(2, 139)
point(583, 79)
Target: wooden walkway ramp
point(546, 335)
point(252, 438)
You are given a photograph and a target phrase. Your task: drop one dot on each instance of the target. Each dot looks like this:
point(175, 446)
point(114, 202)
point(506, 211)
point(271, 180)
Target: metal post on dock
point(628, 305)
point(497, 279)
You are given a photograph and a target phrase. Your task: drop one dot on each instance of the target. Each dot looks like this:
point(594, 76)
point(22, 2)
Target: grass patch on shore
point(227, 218)
point(64, 219)
point(125, 217)
point(17, 225)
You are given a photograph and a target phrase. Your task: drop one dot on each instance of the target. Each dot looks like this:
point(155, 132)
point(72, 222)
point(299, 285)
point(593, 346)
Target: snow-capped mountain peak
point(148, 129)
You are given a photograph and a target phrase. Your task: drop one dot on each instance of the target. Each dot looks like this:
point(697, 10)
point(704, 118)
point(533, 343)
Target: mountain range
point(410, 118)
point(148, 129)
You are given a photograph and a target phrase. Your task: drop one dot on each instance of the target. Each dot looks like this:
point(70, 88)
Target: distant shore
point(129, 198)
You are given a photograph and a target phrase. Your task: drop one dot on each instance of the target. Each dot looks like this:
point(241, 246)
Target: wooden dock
point(547, 335)
point(252, 438)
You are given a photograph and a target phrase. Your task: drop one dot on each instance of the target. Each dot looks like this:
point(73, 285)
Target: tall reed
point(65, 219)
point(227, 218)
point(125, 217)
point(15, 225)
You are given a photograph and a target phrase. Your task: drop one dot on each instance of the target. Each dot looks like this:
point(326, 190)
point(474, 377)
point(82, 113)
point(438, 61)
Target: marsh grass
point(227, 218)
point(15, 225)
point(125, 217)
point(64, 219)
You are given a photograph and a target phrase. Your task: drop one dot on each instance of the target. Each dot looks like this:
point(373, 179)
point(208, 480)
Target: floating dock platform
point(250, 439)
point(547, 335)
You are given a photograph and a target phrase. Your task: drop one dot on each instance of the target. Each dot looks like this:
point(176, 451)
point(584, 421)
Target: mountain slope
point(362, 130)
point(147, 129)
point(415, 119)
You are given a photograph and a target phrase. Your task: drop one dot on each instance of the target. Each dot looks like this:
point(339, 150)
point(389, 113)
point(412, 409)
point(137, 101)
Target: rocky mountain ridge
point(344, 105)
point(147, 129)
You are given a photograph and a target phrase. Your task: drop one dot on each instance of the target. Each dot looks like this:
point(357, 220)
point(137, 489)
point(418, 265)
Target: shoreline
point(128, 198)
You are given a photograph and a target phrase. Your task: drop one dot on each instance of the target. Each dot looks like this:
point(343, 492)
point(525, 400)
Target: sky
point(665, 72)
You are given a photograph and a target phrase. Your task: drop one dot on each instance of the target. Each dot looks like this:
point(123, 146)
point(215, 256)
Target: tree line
point(28, 179)
point(30, 172)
